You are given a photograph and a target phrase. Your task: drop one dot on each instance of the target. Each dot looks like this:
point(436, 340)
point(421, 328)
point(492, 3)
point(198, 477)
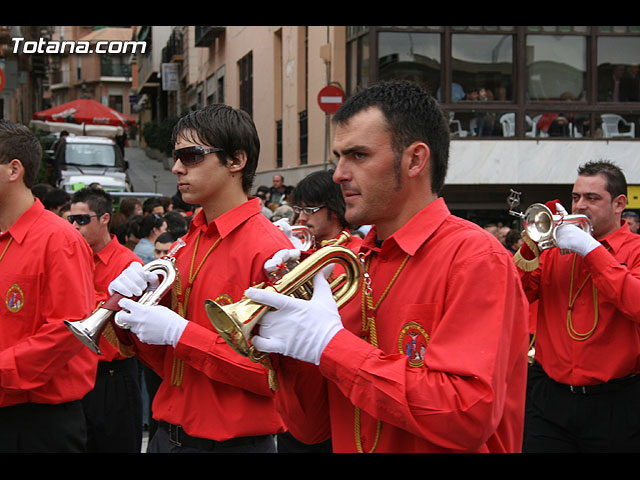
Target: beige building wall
point(287, 76)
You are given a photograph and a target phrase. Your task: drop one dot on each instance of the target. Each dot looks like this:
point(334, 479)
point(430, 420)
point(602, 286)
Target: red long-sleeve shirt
point(208, 388)
point(613, 351)
point(46, 277)
point(449, 372)
point(109, 263)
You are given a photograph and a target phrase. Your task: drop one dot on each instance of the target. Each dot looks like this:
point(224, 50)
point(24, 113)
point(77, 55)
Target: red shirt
point(208, 388)
point(109, 263)
point(46, 277)
point(613, 351)
point(449, 372)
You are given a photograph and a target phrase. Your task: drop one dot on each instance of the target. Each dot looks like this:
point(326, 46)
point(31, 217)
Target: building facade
point(527, 105)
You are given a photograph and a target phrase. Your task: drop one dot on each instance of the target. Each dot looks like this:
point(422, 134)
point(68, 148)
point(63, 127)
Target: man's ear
point(419, 158)
point(15, 170)
point(237, 162)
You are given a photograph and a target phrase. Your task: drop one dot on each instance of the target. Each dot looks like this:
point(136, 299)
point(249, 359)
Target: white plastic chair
point(457, 131)
point(610, 124)
point(508, 121)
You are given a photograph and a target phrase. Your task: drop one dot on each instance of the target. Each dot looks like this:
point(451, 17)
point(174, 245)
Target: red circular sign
point(330, 99)
point(1, 80)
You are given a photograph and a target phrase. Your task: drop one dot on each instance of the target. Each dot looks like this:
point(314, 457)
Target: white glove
point(283, 224)
point(153, 324)
point(281, 257)
point(573, 239)
point(298, 328)
point(560, 209)
point(133, 281)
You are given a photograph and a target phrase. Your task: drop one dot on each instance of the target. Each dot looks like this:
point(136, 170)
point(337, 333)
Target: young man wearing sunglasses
point(46, 277)
point(113, 409)
point(211, 398)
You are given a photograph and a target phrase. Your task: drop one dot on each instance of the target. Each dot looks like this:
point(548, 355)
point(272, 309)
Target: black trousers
point(172, 439)
point(599, 419)
point(40, 428)
point(113, 409)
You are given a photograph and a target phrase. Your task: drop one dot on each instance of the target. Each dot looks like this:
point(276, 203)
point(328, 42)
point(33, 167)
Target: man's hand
point(571, 238)
point(155, 325)
point(298, 328)
point(133, 281)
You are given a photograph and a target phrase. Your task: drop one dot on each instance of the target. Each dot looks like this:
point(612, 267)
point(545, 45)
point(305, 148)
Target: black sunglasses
point(193, 155)
point(81, 219)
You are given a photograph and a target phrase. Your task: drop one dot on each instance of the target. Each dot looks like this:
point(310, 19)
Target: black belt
point(178, 437)
point(610, 386)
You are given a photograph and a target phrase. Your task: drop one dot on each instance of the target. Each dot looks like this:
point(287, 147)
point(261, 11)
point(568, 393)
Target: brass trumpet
point(541, 224)
point(236, 322)
point(305, 236)
point(89, 330)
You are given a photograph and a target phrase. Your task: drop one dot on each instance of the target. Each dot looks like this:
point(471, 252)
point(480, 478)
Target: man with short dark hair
point(46, 277)
point(584, 386)
point(319, 205)
point(430, 356)
point(114, 407)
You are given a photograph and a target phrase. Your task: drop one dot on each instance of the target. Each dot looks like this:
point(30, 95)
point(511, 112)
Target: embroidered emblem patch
point(224, 299)
point(413, 343)
point(14, 298)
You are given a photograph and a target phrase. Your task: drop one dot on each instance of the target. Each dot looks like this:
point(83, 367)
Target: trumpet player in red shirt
point(211, 399)
point(431, 356)
point(584, 385)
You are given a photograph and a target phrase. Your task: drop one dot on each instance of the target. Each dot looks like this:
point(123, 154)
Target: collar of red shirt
point(107, 252)
point(412, 235)
point(228, 221)
point(614, 240)
point(26, 221)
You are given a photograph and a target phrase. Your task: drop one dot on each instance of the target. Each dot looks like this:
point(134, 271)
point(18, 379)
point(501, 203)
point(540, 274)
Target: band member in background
point(113, 409)
point(46, 277)
point(211, 398)
point(319, 205)
point(584, 385)
point(423, 360)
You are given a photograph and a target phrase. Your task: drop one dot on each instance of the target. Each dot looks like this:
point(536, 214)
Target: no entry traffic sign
point(330, 99)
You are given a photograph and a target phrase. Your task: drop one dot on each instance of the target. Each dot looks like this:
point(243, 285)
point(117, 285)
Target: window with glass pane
point(410, 56)
point(482, 67)
point(556, 67)
point(618, 76)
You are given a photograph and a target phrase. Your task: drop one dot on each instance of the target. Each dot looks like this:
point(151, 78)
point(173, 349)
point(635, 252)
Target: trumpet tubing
point(541, 224)
point(235, 323)
point(89, 330)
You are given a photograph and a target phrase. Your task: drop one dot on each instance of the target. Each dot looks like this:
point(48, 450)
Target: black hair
point(97, 199)
point(318, 188)
point(412, 114)
point(141, 226)
point(17, 141)
point(616, 181)
point(230, 129)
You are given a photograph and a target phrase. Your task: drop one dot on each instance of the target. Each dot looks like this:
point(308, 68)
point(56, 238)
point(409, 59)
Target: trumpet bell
point(541, 224)
point(89, 330)
point(235, 323)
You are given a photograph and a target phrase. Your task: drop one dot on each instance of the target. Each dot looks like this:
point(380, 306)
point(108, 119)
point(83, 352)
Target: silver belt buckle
point(174, 430)
point(575, 389)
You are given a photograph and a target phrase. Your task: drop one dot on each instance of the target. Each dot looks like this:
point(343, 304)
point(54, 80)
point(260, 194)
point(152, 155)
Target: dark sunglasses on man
point(193, 155)
point(81, 219)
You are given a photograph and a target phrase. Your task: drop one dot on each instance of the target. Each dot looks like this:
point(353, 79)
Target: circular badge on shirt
point(14, 299)
point(413, 343)
point(223, 299)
